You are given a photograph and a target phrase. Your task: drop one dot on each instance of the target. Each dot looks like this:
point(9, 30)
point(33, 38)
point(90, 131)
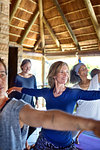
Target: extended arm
point(18, 89)
point(57, 120)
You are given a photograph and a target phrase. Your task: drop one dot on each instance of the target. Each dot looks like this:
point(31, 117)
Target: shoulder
point(17, 76)
point(32, 76)
point(76, 86)
point(17, 104)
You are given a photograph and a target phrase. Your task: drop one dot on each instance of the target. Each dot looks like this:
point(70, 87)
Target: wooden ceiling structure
point(56, 27)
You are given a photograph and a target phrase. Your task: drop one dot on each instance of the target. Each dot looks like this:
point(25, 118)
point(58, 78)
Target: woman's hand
point(14, 89)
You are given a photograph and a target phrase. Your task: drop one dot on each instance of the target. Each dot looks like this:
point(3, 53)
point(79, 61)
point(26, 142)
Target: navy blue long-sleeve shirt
point(26, 83)
point(65, 102)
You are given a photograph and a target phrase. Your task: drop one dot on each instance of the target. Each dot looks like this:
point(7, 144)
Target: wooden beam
point(73, 53)
point(93, 17)
point(67, 24)
point(14, 10)
point(41, 24)
point(37, 44)
point(51, 32)
point(29, 27)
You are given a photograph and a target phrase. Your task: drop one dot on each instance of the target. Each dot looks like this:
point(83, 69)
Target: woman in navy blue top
point(58, 96)
point(27, 80)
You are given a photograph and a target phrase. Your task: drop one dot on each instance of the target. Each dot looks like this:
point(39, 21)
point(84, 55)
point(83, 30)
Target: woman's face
point(3, 81)
point(83, 71)
point(63, 75)
point(26, 68)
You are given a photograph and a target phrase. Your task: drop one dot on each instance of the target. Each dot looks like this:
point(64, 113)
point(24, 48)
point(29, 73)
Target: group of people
point(58, 123)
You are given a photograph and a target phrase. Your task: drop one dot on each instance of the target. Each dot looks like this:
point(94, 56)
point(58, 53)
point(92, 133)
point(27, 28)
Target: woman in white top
point(88, 109)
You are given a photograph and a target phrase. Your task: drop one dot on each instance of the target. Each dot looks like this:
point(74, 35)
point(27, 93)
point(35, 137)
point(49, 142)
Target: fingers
point(9, 91)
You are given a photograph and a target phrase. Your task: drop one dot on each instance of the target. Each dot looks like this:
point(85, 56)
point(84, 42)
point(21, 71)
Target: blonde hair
point(54, 69)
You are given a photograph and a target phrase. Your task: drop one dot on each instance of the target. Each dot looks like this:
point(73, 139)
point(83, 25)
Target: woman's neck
point(58, 90)
point(85, 80)
point(84, 83)
point(25, 75)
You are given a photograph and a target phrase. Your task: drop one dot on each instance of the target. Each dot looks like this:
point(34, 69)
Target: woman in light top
point(88, 109)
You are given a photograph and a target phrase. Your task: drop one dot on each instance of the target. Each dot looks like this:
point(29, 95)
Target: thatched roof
point(56, 27)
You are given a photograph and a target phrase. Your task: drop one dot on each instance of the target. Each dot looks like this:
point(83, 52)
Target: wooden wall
point(4, 29)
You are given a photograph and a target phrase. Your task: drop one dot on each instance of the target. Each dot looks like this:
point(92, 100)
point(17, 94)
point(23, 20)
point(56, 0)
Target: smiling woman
point(88, 109)
point(61, 97)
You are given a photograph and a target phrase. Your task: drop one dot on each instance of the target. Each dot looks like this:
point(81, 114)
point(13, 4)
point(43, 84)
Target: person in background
point(94, 72)
point(25, 79)
point(58, 96)
point(88, 109)
point(16, 115)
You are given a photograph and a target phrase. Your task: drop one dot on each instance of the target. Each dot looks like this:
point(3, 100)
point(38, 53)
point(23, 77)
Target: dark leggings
point(43, 144)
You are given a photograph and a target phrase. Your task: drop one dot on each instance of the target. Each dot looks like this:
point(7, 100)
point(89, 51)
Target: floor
point(88, 142)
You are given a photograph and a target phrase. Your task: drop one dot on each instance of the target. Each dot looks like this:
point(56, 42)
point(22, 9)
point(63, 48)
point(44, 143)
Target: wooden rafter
point(51, 32)
point(93, 17)
point(37, 44)
point(14, 10)
point(29, 27)
point(67, 24)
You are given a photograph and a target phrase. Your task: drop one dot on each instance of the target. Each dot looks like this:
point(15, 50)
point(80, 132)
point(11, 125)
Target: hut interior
point(49, 29)
point(56, 27)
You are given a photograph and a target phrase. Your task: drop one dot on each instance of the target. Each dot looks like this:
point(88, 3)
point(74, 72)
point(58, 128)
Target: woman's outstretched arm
point(57, 120)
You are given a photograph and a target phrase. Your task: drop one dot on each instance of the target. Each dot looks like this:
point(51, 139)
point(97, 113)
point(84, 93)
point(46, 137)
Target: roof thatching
point(56, 27)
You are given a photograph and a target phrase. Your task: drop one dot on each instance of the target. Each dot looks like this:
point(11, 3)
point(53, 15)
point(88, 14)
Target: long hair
point(54, 69)
point(74, 77)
